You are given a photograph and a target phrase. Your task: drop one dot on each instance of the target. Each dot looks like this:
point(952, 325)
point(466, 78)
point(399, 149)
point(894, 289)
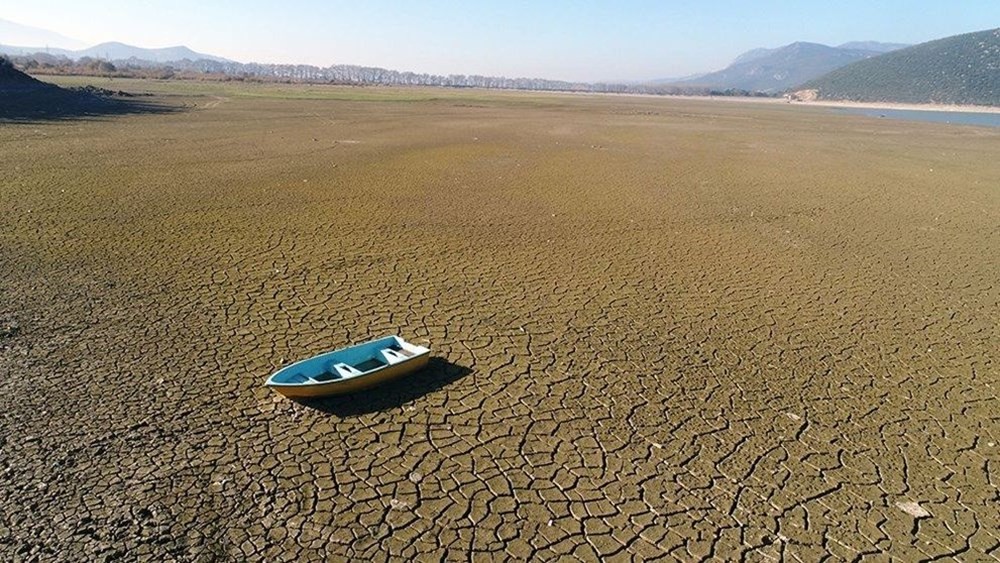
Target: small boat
point(349, 369)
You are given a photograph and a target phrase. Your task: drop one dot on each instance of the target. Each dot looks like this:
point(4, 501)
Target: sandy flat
point(911, 107)
point(819, 103)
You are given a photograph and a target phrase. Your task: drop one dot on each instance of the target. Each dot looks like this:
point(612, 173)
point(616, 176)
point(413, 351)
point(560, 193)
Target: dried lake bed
point(661, 328)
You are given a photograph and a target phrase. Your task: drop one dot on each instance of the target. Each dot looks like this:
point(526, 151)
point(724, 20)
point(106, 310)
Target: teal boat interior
point(347, 363)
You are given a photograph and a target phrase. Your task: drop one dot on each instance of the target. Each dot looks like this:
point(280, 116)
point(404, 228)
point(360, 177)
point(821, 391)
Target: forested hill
point(962, 69)
point(775, 70)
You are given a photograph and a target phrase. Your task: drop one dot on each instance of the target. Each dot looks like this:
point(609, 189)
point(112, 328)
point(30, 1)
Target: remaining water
point(953, 117)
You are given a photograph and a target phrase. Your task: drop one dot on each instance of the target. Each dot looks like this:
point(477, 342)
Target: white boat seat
point(345, 370)
point(393, 356)
point(402, 351)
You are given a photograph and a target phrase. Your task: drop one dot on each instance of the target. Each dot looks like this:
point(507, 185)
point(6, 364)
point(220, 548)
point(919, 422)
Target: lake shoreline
point(900, 106)
point(811, 103)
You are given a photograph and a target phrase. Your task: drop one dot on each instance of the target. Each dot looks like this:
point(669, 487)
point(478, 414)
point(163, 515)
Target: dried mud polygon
point(662, 328)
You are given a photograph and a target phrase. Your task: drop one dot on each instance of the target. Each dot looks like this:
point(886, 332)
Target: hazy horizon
point(581, 41)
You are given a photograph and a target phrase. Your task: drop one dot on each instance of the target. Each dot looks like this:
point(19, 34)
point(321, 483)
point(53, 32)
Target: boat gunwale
point(334, 382)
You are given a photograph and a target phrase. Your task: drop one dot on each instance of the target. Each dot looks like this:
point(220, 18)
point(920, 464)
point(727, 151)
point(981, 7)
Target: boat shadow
point(437, 374)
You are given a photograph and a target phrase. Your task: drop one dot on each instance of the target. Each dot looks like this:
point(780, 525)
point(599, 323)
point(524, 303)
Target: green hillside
point(963, 69)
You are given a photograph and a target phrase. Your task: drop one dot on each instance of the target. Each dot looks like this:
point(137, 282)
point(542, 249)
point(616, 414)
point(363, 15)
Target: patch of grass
point(312, 91)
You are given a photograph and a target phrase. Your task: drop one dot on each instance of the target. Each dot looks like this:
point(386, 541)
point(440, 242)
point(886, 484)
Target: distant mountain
point(117, 52)
point(12, 33)
point(873, 46)
point(753, 55)
point(14, 51)
point(962, 69)
point(21, 40)
point(675, 80)
point(775, 70)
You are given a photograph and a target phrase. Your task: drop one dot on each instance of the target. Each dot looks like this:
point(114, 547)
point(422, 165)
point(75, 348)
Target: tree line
point(41, 63)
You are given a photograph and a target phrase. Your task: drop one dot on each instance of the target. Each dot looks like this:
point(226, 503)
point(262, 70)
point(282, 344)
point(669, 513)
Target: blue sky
point(573, 40)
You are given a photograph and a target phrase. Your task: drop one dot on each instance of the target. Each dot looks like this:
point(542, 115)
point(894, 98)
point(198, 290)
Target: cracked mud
point(661, 328)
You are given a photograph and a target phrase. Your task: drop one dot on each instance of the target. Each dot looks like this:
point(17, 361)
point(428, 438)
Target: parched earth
point(662, 329)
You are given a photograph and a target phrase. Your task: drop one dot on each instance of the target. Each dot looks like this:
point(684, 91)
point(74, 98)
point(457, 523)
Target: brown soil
point(662, 327)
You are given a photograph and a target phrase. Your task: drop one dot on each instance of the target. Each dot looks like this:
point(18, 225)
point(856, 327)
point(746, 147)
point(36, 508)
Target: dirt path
point(216, 100)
